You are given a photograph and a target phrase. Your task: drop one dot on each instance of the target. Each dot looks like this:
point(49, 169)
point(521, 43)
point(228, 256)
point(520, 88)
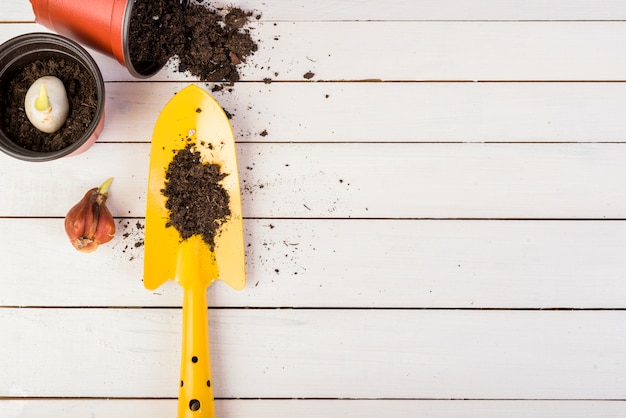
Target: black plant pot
point(20, 52)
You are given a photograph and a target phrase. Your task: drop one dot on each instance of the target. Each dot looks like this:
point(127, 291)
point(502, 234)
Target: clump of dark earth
point(81, 93)
point(209, 42)
point(197, 202)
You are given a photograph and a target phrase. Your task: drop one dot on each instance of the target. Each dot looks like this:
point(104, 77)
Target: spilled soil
point(197, 202)
point(210, 43)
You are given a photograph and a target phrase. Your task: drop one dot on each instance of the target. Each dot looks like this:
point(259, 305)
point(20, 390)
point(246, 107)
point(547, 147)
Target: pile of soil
point(197, 202)
point(81, 93)
point(208, 44)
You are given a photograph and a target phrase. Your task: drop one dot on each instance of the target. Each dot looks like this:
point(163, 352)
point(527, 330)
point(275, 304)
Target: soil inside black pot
point(209, 43)
point(198, 203)
point(81, 93)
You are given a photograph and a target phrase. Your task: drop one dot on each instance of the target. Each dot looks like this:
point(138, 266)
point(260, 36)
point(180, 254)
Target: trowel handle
point(195, 396)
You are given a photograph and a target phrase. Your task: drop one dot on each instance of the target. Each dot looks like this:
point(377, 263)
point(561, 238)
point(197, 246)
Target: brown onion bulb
point(90, 223)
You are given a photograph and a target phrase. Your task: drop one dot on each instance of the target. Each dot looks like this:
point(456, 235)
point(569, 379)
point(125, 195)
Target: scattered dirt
point(198, 203)
point(210, 43)
point(132, 239)
point(81, 92)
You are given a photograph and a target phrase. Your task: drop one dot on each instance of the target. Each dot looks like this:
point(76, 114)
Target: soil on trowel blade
point(81, 93)
point(210, 43)
point(197, 202)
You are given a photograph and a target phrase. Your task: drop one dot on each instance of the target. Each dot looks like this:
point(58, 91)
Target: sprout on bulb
point(89, 223)
point(46, 104)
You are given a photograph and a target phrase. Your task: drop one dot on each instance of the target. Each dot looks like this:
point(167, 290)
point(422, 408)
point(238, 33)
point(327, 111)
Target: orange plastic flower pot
point(99, 24)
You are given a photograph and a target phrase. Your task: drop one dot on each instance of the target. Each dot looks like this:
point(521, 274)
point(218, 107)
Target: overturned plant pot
point(143, 35)
point(24, 60)
point(99, 24)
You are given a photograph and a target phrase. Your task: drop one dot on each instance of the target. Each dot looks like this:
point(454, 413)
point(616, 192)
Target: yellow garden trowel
point(193, 115)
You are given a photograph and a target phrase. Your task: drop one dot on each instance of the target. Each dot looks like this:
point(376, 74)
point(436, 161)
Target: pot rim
point(144, 71)
point(58, 44)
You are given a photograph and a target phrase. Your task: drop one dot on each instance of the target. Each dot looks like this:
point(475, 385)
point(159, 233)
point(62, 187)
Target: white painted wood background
point(435, 225)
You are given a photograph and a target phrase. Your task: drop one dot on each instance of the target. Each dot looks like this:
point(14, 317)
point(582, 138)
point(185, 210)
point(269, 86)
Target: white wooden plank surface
point(420, 51)
point(357, 181)
point(458, 308)
point(244, 408)
point(414, 354)
point(411, 112)
point(309, 10)
point(339, 263)
point(316, 408)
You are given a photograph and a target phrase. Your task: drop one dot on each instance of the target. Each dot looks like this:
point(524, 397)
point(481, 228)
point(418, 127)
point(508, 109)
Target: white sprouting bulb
point(46, 104)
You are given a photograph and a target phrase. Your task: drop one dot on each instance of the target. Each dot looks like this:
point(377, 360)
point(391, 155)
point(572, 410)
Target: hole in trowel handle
point(194, 404)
